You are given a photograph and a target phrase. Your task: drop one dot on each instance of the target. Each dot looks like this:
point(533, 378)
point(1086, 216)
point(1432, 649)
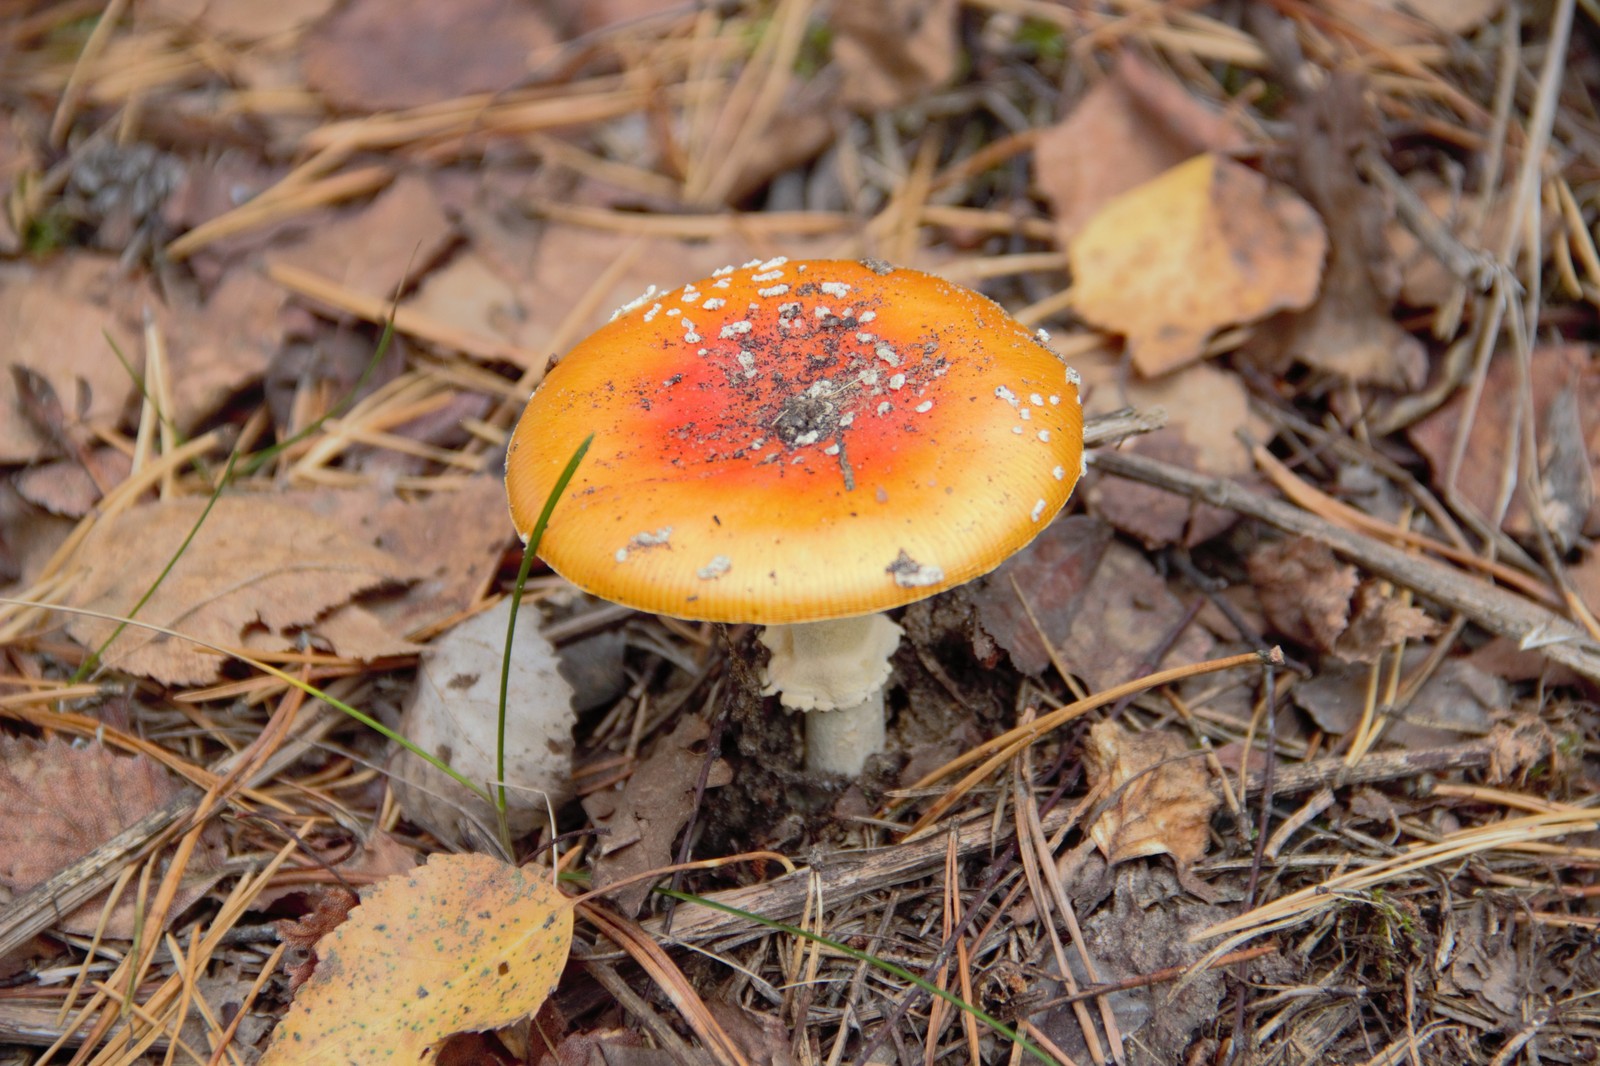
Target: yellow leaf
point(466, 942)
point(1210, 243)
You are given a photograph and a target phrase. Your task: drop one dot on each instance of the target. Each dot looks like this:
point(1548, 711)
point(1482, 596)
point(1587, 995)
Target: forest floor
point(1278, 746)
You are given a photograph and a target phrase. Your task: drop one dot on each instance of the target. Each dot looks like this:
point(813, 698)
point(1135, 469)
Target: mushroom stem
point(835, 672)
point(839, 741)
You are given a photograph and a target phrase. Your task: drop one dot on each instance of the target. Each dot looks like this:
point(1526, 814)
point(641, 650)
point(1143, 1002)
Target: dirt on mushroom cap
point(789, 441)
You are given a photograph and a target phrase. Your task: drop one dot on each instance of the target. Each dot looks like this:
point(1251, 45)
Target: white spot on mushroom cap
point(810, 436)
point(1059, 473)
point(910, 574)
point(885, 407)
point(650, 315)
point(770, 275)
point(775, 261)
point(1036, 399)
point(747, 360)
point(897, 381)
point(832, 449)
point(673, 312)
point(867, 316)
point(719, 565)
point(924, 407)
point(722, 283)
point(1017, 430)
point(849, 417)
point(693, 338)
point(835, 288)
point(823, 311)
point(775, 290)
point(1006, 394)
point(622, 555)
point(1041, 336)
point(887, 354)
point(1025, 414)
point(1038, 509)
point(1044, 435)
point(714, 303)
point(722, 271)
point(1073, 379)
point(751, 263)
point(735, 329)
point(866, 338)
point(1055, 401)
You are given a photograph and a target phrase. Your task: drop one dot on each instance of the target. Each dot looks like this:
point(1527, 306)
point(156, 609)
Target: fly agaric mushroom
point(802, 445)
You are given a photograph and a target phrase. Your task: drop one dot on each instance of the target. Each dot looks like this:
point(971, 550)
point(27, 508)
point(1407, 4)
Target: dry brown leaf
point(1130, 127)
point(1207, 411)
point(370, 248)
point(890, 52)
point(64, 487)
point(1304, 590)
point(55, 317)
point(451, 541)
point(644, 819)
point(1457, 701)
point(1379, 621)
point(239, 20)
point(260, 566)
point(379, 55)
point(1350, 331)
point(470, 295)
point(1134, 616)
point(1052, 572)
point(1554, 370)
point(1210, 243)
point(62, 801)
point(466, 942)
point(1161, 802)
point(1424, 280)
point(1411, 21)
point(217, 349)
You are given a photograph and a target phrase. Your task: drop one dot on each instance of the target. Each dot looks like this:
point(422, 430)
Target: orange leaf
point(466, 942)
point(1208, 244)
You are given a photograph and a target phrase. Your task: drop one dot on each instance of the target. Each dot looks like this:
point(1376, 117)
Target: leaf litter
point(1212, 209)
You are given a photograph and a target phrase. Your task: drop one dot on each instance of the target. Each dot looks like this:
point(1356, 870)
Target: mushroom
point(802, 445)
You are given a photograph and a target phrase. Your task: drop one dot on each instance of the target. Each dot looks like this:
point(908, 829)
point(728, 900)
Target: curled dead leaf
point(1161, 803)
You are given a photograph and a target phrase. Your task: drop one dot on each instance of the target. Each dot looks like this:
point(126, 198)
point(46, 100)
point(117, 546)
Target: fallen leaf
point(56, 317)
point(1398, 22)
point(1208, 418)
point(763, 1038)
point(371, 248)
point(1424, 280)
point(1053, 573)
point(1161, 802)
point(1134, 616)
point(259, 564)
point(1457, 701)
point(222, 346)
point(1304, 589)
point(379, 55)
point(1208, 244)
point(64, 487)
point(1379, 621)
point(1130, 127)
point(1350, 330)
point(644, 819)
point(891, 52)
point(63, 801)
point(451, 541)
point(239, 20)
point(1554, 370)
point(465, 943)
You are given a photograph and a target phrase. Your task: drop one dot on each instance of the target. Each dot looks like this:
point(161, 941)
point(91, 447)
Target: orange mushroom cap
point(793, 441)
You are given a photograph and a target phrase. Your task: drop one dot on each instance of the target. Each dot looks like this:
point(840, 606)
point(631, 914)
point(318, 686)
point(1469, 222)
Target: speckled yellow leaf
point(466, 942)
point(1208, 244)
